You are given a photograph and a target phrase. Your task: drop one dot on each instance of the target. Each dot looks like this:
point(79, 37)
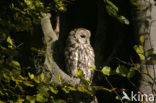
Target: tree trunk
point(144, 24)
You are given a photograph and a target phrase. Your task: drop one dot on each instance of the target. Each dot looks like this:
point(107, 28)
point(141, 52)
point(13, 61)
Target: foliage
point(113, 10)
point(18, 88)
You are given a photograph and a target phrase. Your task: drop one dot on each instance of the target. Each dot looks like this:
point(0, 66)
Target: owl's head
point(81, 35)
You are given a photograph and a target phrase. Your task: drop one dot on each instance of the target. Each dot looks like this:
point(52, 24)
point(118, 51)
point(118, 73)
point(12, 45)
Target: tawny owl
point(79, 53)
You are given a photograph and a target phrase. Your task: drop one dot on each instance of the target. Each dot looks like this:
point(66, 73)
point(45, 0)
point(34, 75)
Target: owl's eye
point(82, 36)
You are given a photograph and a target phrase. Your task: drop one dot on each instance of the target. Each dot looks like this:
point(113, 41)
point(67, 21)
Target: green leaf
point(122, 70)
point(43, 92)
point(148, 73)
point(97, 88)
point(59, 77)
point(93, 67)
point(142, 57)
point(84, 90)
point(15, 64)
point(31, 99)
point(27, 83)
point(150, 52)
point(79, 73)
point(42, 76)
point(40, 98)
point(139, 49)
point(6, 76)
point(142, 39)
point(106, 70)
point(53, 90)
point(123, 19)
point(131, 74)
point(72, 88)
point(60, 101)
point(112, 5)
point(117, 98)
point(37, 80)
point(138, 66)
point(1, 101)
point(20, 100)
point(9, 40)
point(31, 76)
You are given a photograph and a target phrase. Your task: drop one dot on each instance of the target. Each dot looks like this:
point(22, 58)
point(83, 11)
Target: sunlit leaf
point(79, 73)
point(15, 64)
point(53, 90)
point(20, 100)
point(142, 39)
point(59, 77)
point(97, 88)
point(106, 70)
point(42, 76)
point(9, 40)
point(142, 57)
point(27, 83)
point(138, 66)
point(122, 70)
point(148, 73)
point(139, 49)
point(31, 76)
point(43, 92)
point(84, 90)
point(41, 98)
point(93, 67)
point(112, 5)
point(31, 99)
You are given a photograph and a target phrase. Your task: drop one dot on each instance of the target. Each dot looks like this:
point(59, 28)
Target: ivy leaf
point(106, 70)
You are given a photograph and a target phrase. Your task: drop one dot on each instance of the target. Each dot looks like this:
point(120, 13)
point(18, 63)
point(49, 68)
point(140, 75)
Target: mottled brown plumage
point(79, 53)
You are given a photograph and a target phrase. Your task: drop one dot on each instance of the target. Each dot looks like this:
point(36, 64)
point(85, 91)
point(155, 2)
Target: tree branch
point(51, 69)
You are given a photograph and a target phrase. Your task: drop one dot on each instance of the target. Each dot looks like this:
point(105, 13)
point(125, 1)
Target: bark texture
point(51, 69)
point(144, 24)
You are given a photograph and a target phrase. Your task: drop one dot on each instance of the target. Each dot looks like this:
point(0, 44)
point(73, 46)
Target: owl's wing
point(91, 62)
point(71, 59)
point(91, 56)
